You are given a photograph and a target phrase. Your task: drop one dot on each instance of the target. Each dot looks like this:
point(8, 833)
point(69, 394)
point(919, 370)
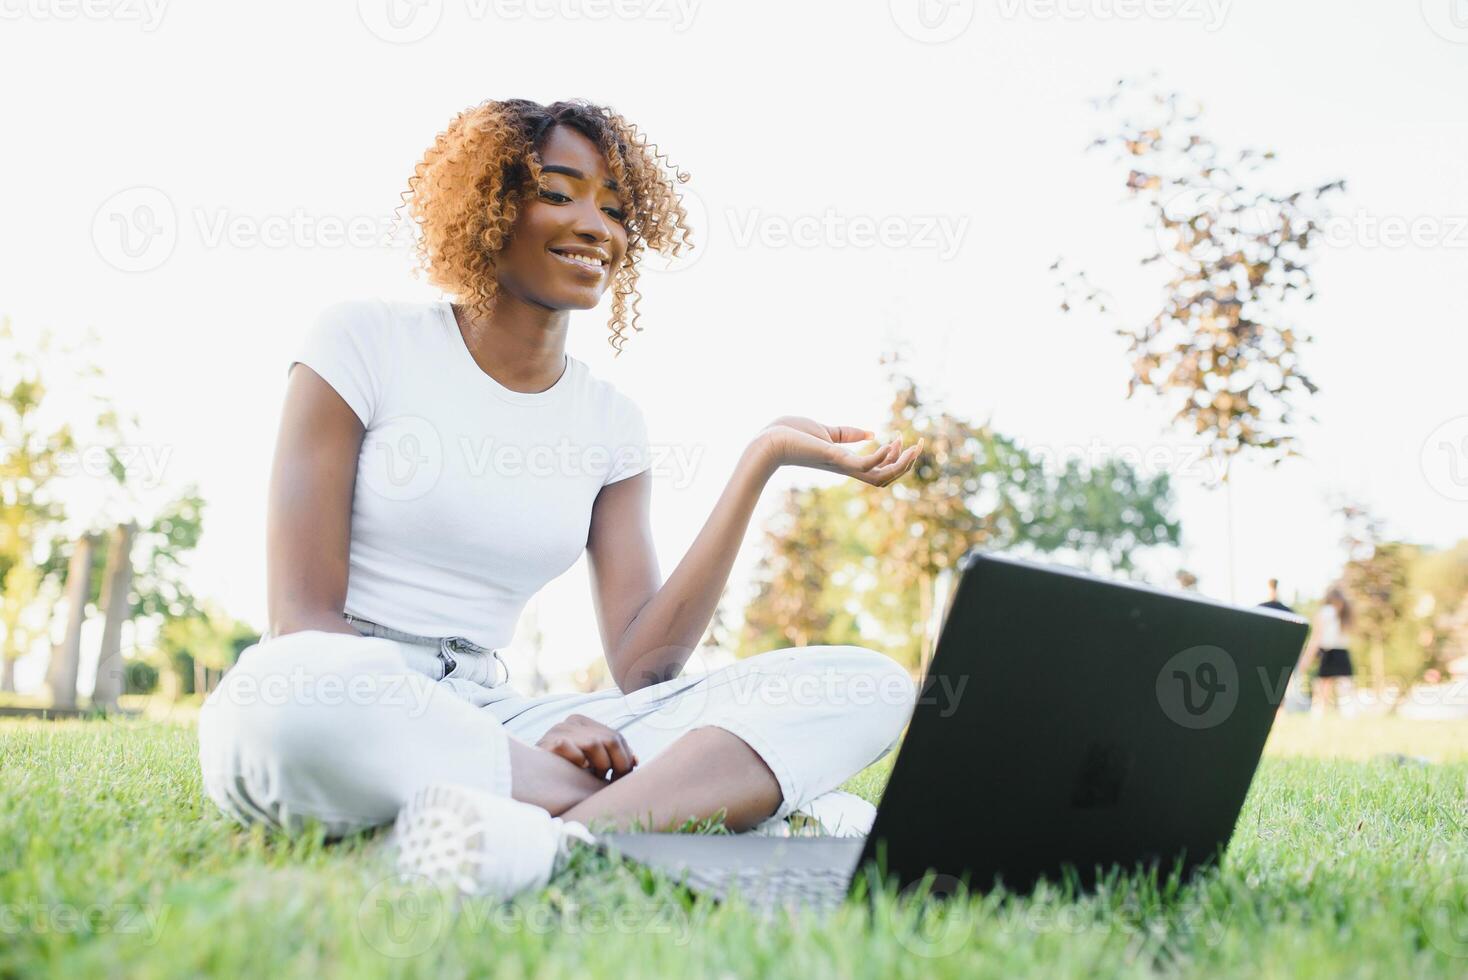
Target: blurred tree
point(1220, 350)
point(116, 603)
point(193, 650)
point(1375, 580)
point(40, 452)
point(848, 561)
point(1438, 586)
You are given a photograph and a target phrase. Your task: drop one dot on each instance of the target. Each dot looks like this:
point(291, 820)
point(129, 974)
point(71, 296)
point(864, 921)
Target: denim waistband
point(446, 646)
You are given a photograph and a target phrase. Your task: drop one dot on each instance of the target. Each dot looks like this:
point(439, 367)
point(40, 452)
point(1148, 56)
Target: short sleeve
point(340, 347)
point(631, 454)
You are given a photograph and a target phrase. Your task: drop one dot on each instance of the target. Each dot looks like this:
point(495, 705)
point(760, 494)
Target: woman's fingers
point(621, 757)
point(883, 475)
point(848, 433)
point(869, 461)
point(598, 758)
point(567, 749)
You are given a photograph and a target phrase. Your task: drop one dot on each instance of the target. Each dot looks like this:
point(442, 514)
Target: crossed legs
point(746, 743)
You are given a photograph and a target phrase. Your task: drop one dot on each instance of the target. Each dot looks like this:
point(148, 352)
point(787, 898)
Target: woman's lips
point(591, 272)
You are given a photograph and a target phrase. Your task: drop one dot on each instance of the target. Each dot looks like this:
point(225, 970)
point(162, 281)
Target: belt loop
point(447, 658)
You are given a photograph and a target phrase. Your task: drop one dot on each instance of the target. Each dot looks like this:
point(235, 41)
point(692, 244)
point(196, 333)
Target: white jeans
point(344, 729)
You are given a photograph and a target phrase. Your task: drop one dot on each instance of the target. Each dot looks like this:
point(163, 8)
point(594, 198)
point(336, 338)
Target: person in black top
point(1273, 601)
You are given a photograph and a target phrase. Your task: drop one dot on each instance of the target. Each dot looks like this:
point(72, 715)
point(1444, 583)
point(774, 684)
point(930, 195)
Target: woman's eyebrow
point(555, 168)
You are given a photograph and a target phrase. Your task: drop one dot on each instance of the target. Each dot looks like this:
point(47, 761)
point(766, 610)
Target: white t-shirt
point(469, 496)
point(1328, 633)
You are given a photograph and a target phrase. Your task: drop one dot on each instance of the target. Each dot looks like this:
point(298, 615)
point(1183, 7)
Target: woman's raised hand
point(795, 441)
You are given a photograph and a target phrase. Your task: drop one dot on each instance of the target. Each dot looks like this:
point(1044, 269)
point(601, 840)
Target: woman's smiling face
point(569, 238)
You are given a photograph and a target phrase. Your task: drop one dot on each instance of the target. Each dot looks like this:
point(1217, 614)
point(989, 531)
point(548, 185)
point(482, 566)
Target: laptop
point(1067, 725)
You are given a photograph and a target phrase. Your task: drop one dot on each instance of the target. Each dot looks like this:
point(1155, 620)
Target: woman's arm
point(649, 631)
point(309, 513)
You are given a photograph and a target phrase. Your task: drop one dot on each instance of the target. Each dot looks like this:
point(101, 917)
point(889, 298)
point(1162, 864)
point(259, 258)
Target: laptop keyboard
point(770, 887)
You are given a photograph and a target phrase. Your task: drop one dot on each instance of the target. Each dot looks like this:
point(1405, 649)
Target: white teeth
point(581, 260)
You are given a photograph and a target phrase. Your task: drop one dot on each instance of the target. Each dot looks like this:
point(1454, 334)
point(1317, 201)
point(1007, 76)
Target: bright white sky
point(231, 119)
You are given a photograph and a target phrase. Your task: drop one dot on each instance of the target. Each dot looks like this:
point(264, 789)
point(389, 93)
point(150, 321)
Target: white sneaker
point(481, 843)
point(833, 814)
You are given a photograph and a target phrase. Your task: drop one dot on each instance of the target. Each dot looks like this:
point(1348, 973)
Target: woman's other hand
point(590, 745)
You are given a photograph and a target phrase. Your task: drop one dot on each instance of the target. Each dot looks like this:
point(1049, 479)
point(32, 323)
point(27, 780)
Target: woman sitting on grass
point(403, 541)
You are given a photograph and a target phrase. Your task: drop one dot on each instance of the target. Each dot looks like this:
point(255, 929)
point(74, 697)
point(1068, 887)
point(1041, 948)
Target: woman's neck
point(521, 347)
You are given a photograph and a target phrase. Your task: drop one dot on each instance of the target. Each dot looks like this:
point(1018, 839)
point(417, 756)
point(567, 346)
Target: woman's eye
point(617, 213)
point(554, 194)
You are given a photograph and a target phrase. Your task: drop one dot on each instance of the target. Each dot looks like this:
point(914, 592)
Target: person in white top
point(1328, 648)
point(436, 465)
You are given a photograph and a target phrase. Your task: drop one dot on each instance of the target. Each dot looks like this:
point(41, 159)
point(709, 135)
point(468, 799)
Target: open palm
point(797, 441)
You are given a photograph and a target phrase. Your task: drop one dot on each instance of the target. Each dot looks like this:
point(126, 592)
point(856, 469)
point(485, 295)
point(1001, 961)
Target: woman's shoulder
point(375, 313)
point(374, 323)
point(608, 395)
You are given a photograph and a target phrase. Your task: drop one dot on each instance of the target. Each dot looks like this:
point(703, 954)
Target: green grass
point(112, 863)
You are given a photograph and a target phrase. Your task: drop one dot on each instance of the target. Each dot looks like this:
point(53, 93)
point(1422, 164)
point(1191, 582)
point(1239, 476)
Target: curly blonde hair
point(467, 191)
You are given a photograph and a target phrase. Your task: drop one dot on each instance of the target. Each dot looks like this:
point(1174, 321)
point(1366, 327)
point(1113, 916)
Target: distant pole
point(65, 659)
point(1228, 502)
